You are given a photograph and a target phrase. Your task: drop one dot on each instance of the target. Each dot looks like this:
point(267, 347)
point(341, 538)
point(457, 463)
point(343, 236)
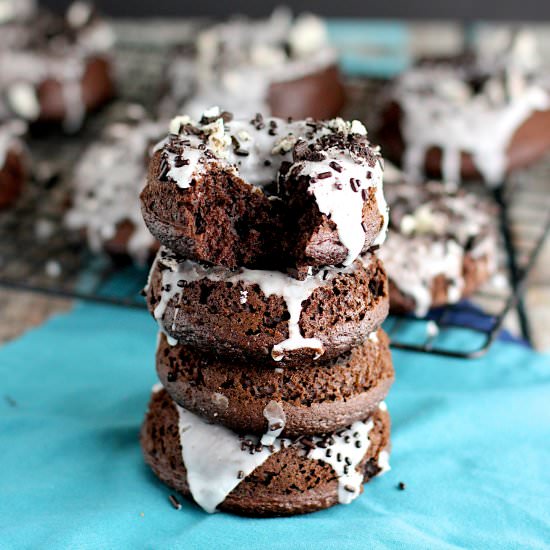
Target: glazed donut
point(266, 192)
point(222, 470)
point(290, 402)
point(442, 245)
point(13, 162)
point(279, 66)
point(107, 181)
point(267, 316)
point(55, 70)
point(471, 118)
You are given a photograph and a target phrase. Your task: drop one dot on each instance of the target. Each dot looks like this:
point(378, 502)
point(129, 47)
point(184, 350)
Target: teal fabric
point(471, 441)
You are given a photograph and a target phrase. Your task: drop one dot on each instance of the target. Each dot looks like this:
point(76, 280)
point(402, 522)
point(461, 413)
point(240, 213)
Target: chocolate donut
point(280, 66)
point(221, 470)
point(289, 402)
point(13, 163)
point(266, 193)
point(470, 118)
point(442, 245)
point(107, 181)
point(55, 70)
point(267, 316)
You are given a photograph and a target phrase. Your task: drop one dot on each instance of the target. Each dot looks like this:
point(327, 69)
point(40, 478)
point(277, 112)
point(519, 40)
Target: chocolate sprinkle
point(172, 376)
point(174, 502)
point(401, 486)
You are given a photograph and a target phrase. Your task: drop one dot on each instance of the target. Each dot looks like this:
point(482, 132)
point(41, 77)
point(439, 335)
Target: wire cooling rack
point(38, 253)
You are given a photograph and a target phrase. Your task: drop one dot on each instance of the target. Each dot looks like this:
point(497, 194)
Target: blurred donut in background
point(107, 181)
point(282, 66)
point(476, 116)
point(441, 246)
point(53, 70)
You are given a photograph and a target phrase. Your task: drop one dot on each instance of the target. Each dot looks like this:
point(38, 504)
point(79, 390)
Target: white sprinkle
point(43, 229)
point(53, 269)
point(432, 329)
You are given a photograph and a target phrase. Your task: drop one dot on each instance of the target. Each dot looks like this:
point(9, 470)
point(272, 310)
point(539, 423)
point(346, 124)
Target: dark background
point(534, 10)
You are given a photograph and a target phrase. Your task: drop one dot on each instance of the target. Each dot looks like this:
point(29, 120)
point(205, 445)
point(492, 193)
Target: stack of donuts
point(269, 299)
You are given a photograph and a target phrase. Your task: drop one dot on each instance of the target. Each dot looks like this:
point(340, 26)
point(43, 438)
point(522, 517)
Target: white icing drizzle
point(339, 200)
point(107, 180)
point(237, 61)
point(276, 420)
point(349, 448)
point(430, 228)
point(384, 462)
point(215, 459)
point(294, 292)
point(440, 109)
point(157, 387)
point(255, 149)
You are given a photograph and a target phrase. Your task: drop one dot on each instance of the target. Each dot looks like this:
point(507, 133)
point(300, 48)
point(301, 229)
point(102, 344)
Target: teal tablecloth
point(471, 442)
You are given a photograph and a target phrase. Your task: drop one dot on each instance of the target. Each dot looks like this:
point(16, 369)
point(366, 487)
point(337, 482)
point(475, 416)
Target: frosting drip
point(335, 156)
point(344, 451)
point(294, 292)
point(215, 459)
point(276, 420)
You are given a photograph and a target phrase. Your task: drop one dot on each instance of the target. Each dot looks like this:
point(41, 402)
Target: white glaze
point(335, 195)
point(214, 458)
point(384, 462)
point(294, 292)
point(107, 180)
point(441, 110)
point(351, 443)
point(276, 420)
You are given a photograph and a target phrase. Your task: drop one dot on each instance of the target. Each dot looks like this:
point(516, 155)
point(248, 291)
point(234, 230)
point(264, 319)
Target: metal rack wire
point(38, 253)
